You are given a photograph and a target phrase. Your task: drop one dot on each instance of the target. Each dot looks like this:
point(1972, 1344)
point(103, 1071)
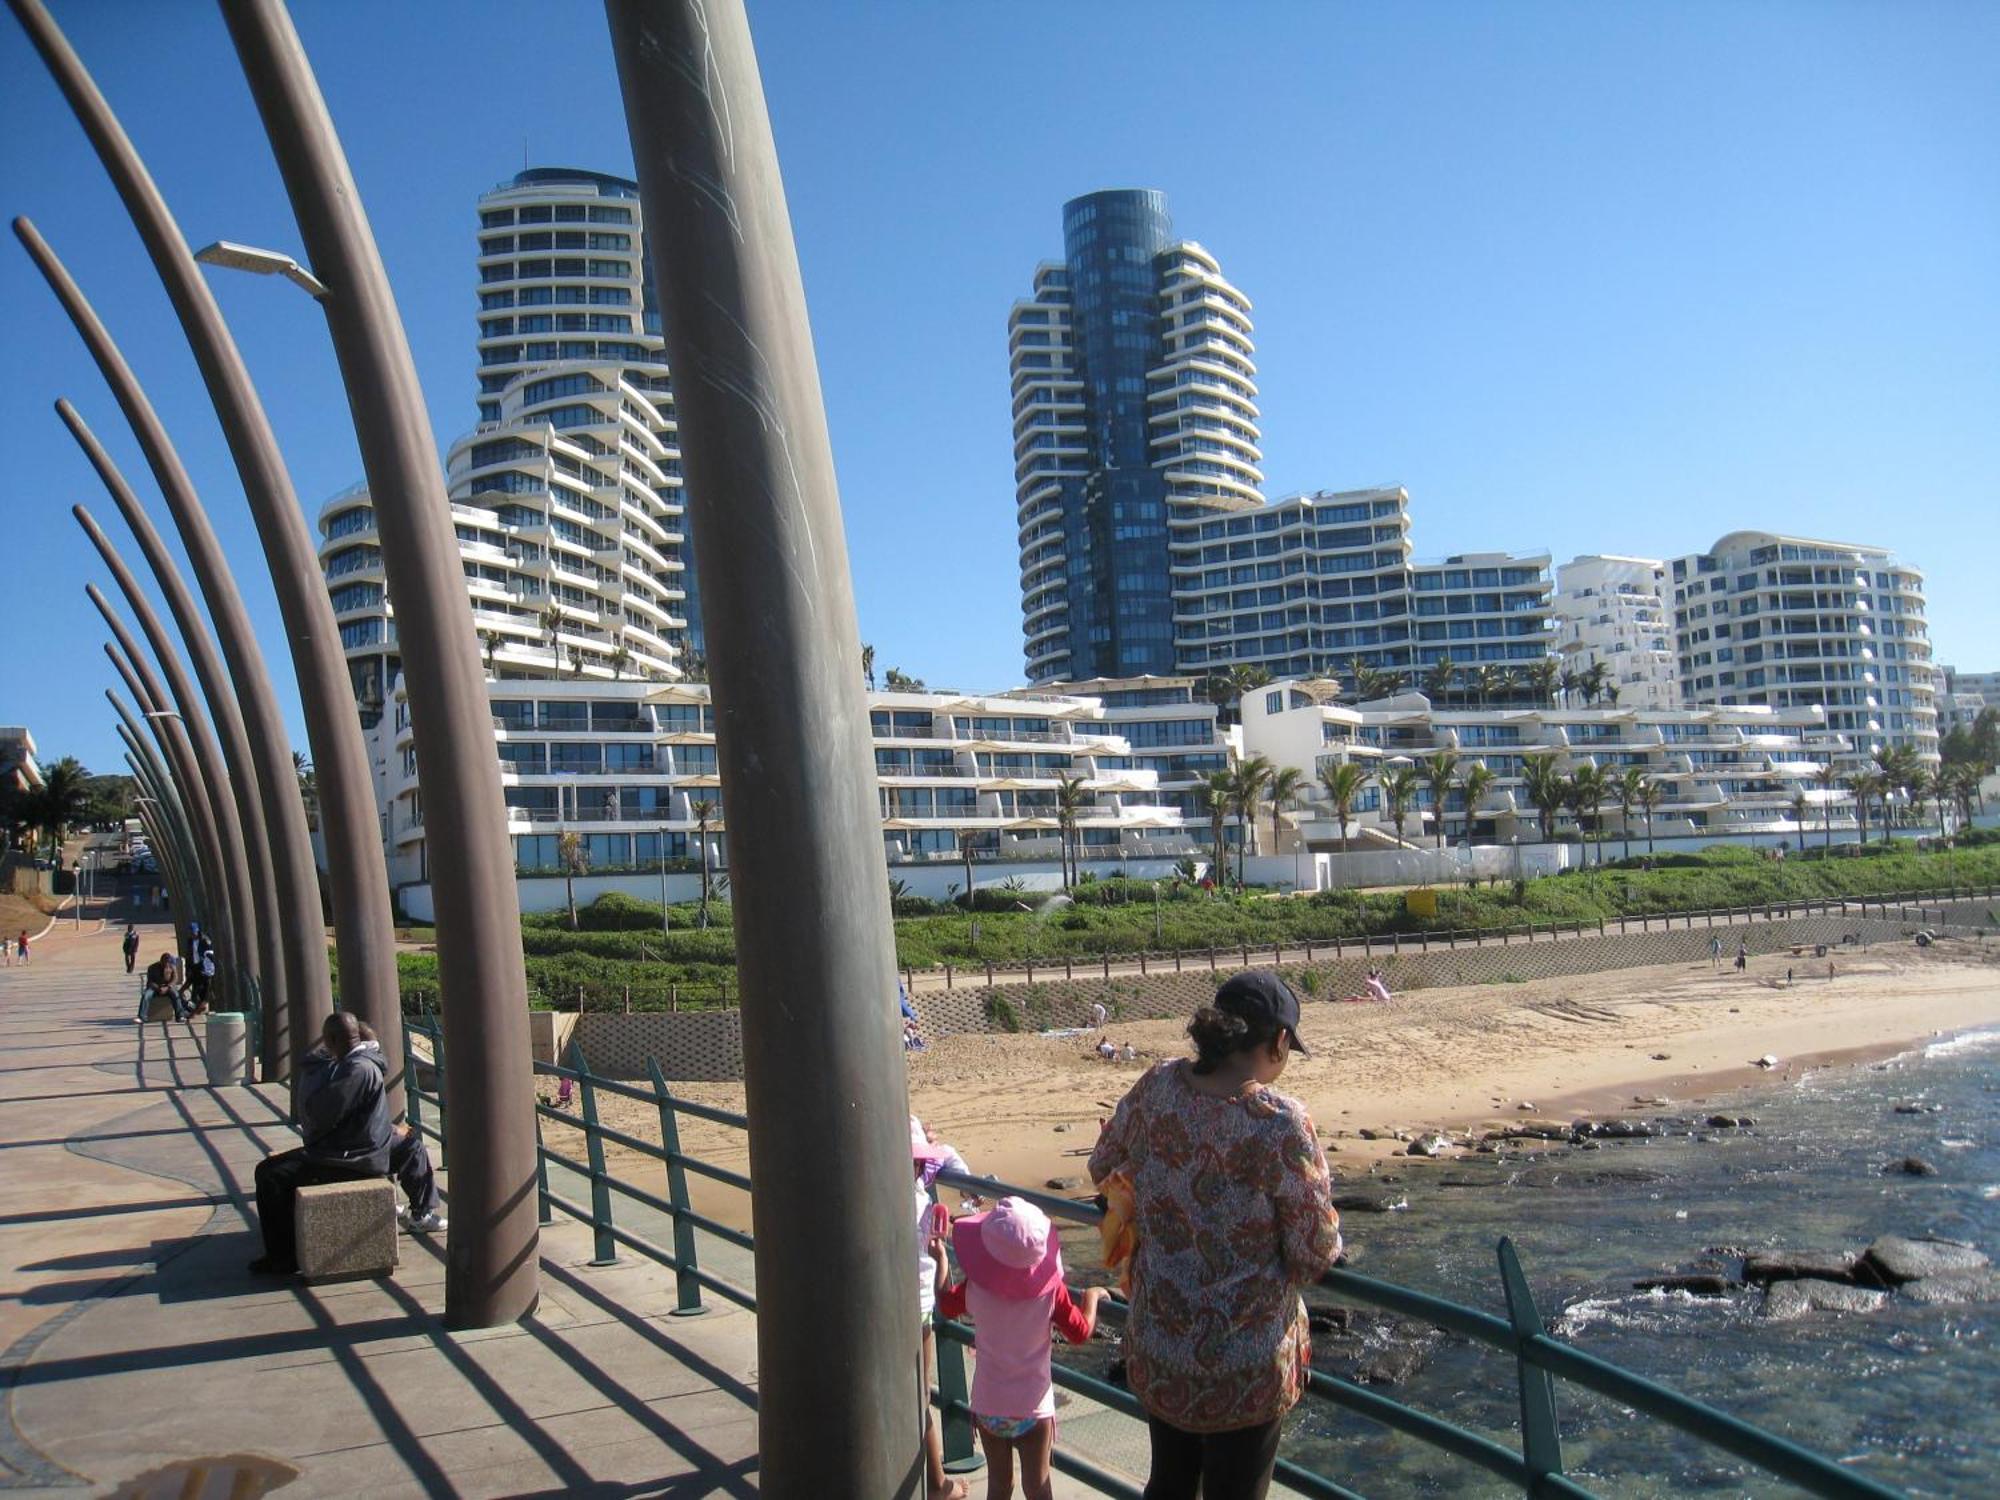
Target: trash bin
point(228, 1048)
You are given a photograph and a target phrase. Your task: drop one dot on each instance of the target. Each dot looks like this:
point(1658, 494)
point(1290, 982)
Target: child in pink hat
point(1014, 1292)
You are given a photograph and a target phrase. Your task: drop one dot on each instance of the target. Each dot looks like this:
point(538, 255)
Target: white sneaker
point(430, 1223)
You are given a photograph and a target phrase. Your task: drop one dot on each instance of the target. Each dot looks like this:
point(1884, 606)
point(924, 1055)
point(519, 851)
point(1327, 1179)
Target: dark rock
point(1393, 1365)
point(1486, 1148)
point(1427, 1145)
point(1062, 1129)
point(1540, 1130)
point(1695, 1285)
point(1590, 1145)
point(1920, 1109)
point(1576, 1175)
point(1722, 1122)
point(1366, 1134)
point(1785, 1300)
point(1360, 1203)
point(1744, 1122)
point(1060, 1184)
point(1954, 1286)
point(1329, 1319)
point(1791, 1265)
point(1898, 1259)
point(1623, 1130)
point(1914, 1166)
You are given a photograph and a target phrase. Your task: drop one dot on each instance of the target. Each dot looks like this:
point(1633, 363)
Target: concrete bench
point(159, 1007)
point(346, 1228)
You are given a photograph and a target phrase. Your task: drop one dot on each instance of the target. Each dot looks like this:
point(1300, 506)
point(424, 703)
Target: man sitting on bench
point(344, 1117)
point(162, 975)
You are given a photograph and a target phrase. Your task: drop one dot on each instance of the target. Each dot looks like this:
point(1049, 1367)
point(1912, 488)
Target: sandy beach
point(1025, 1108)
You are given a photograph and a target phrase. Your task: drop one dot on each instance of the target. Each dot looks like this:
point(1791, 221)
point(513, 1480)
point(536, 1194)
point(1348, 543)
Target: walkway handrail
point(1539, 1357)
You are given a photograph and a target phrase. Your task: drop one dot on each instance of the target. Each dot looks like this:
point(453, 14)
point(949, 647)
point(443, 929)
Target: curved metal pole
point(263, 948)
point(280, 849)
point(838, 1400)
point(492, 1273)
point(238, 935)
point(171, 763)
point(171, 878)
point(179, 770)
point(169, 848)
point(174, 854)
point(357, 876)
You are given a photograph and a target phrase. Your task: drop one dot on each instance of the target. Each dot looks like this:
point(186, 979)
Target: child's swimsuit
point(1006, 1428)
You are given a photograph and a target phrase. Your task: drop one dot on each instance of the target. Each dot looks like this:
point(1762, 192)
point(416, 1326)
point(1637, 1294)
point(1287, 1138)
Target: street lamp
point(261, 263)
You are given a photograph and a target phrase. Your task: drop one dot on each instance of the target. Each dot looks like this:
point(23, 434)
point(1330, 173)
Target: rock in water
point(1060, 1184)
point(1914, 1166)
point(1695, 1285)
point(1898, 1259)
point(1785, 1300)
point(1360, 1203)
point(1427, 1145)
point(1791, 1265)
point(1955, 1286)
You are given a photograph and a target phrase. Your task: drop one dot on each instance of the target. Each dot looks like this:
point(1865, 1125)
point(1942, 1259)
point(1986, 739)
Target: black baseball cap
point(1260, 995)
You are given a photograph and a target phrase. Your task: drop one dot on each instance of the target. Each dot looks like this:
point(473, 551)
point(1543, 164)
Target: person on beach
point(21, 948)
point(1715, 953)
point(1234, 1216)
point(1742, 956)
point(1013, 1290)
point(131, 946)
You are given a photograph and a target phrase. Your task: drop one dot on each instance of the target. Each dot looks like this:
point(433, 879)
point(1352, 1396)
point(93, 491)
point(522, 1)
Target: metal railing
point(1539, 1358)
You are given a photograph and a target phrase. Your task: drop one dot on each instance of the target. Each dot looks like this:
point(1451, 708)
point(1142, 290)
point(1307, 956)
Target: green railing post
point(444, 1109)
point(1541, 1440)
point(413, 1104)
point(600, 1181)
point(545, 1212)
point(962, 1453)
point(687, 1290)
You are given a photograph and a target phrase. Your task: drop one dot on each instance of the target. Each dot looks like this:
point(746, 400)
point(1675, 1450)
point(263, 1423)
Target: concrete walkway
point(137, 1357)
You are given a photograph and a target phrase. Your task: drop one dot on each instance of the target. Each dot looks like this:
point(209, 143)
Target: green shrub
point(1001, 1012)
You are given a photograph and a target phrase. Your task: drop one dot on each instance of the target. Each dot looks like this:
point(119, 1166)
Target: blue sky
point(1584, 277)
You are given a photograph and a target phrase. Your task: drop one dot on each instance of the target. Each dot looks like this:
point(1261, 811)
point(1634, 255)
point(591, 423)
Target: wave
point(1967, 1041)
point(1642, 1310)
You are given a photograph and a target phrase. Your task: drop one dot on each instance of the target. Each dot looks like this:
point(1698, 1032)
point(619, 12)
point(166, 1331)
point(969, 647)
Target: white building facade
point(1762, 619)
point(1965, 697)
point(1613, 611)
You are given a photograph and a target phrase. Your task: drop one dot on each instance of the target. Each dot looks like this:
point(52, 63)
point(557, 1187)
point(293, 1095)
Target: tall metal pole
point(169, 844)
point(492, 1272)
point(284, 1013)
point(838, 1399)
point(253, 732)
point(357, 875)
point(207, 759)
point(181, 770)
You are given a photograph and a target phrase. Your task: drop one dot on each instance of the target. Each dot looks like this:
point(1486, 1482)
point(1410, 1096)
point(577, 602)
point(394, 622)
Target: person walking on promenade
point(1014, 1291)
point(21, 948)
point(344, 1117)
point(1234, 1215)
point(131, 946)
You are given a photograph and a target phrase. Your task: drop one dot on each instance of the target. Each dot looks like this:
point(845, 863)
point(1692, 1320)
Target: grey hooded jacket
point(344, 1110)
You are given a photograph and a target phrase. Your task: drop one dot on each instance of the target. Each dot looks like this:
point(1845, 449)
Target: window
point(571, 717)
point(575, 757)
point(537, 391)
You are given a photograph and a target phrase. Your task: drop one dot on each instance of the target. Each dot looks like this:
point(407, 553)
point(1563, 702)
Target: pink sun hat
point(1010, 1249)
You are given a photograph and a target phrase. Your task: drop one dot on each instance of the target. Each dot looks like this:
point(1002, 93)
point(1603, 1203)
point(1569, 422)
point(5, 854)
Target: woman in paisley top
point(1235, 1214)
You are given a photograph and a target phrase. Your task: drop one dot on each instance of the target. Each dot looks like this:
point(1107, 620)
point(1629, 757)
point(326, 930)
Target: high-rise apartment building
point(1146, 546)
point(1613, 611)
point(1793, 622)
point(567, 495)
point(1134, 389)
point(1965, 696)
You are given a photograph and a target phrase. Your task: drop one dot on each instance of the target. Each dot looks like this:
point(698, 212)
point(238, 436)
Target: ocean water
point(1908, 1395)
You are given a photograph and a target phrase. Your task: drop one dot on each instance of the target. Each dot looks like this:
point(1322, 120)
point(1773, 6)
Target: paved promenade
point(137, 1357)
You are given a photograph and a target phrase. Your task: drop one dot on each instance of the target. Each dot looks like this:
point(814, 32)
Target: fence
point(1539, 1359)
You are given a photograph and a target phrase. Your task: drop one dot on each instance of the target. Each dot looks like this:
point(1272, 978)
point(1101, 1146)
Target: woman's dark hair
point(1219, 1035)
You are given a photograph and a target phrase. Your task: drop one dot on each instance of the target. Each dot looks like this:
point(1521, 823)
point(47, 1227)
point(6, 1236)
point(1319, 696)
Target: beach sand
point(1025, 1108)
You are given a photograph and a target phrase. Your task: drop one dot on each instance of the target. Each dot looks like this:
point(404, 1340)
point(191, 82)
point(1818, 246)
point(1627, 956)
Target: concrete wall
point(707, 1045)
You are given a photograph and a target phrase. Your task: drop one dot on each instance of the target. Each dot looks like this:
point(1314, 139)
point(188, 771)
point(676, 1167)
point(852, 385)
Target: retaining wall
point(707, 1046)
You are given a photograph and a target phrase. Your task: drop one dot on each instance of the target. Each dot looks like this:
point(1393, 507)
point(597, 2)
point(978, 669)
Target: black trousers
point(131, 955)
point(1234, 1465)
point(279, 1179)
point(410, 1165)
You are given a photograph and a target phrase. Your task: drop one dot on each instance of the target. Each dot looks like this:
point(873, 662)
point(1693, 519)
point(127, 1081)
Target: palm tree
point(1281, 792)
point(1506, 683)
point(1800, 808)
point(1626, 789)
point(1544, 676)
point(1215, 790)
point(1865, 785)
point(1548, 790)
point(551, 621)
point(1651, 794)
point(308, 786)
point(1439, 769)
point(1246, 796)
point(868, 665)
point(1399, 790)
point(1437, 681)
point(1593, 682)
point(1343, 783)
point(574, 857)
point(620, 658)
point(1475, 784)
point(1924, 783)
point(1571, 685)
point(1072, 797)
point(1489, 680)
point(1587, 789)
point(1898, 767)
point(489, 643)
point(702, 810)
point(60, 802)
point(1827, 780)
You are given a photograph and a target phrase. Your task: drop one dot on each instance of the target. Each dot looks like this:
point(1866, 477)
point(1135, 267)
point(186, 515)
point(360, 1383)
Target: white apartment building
point(630, 766)
point(1613, 611)
point(567, 496)
point(1725, 772)
point(1966, 695)
point(1762, 619)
